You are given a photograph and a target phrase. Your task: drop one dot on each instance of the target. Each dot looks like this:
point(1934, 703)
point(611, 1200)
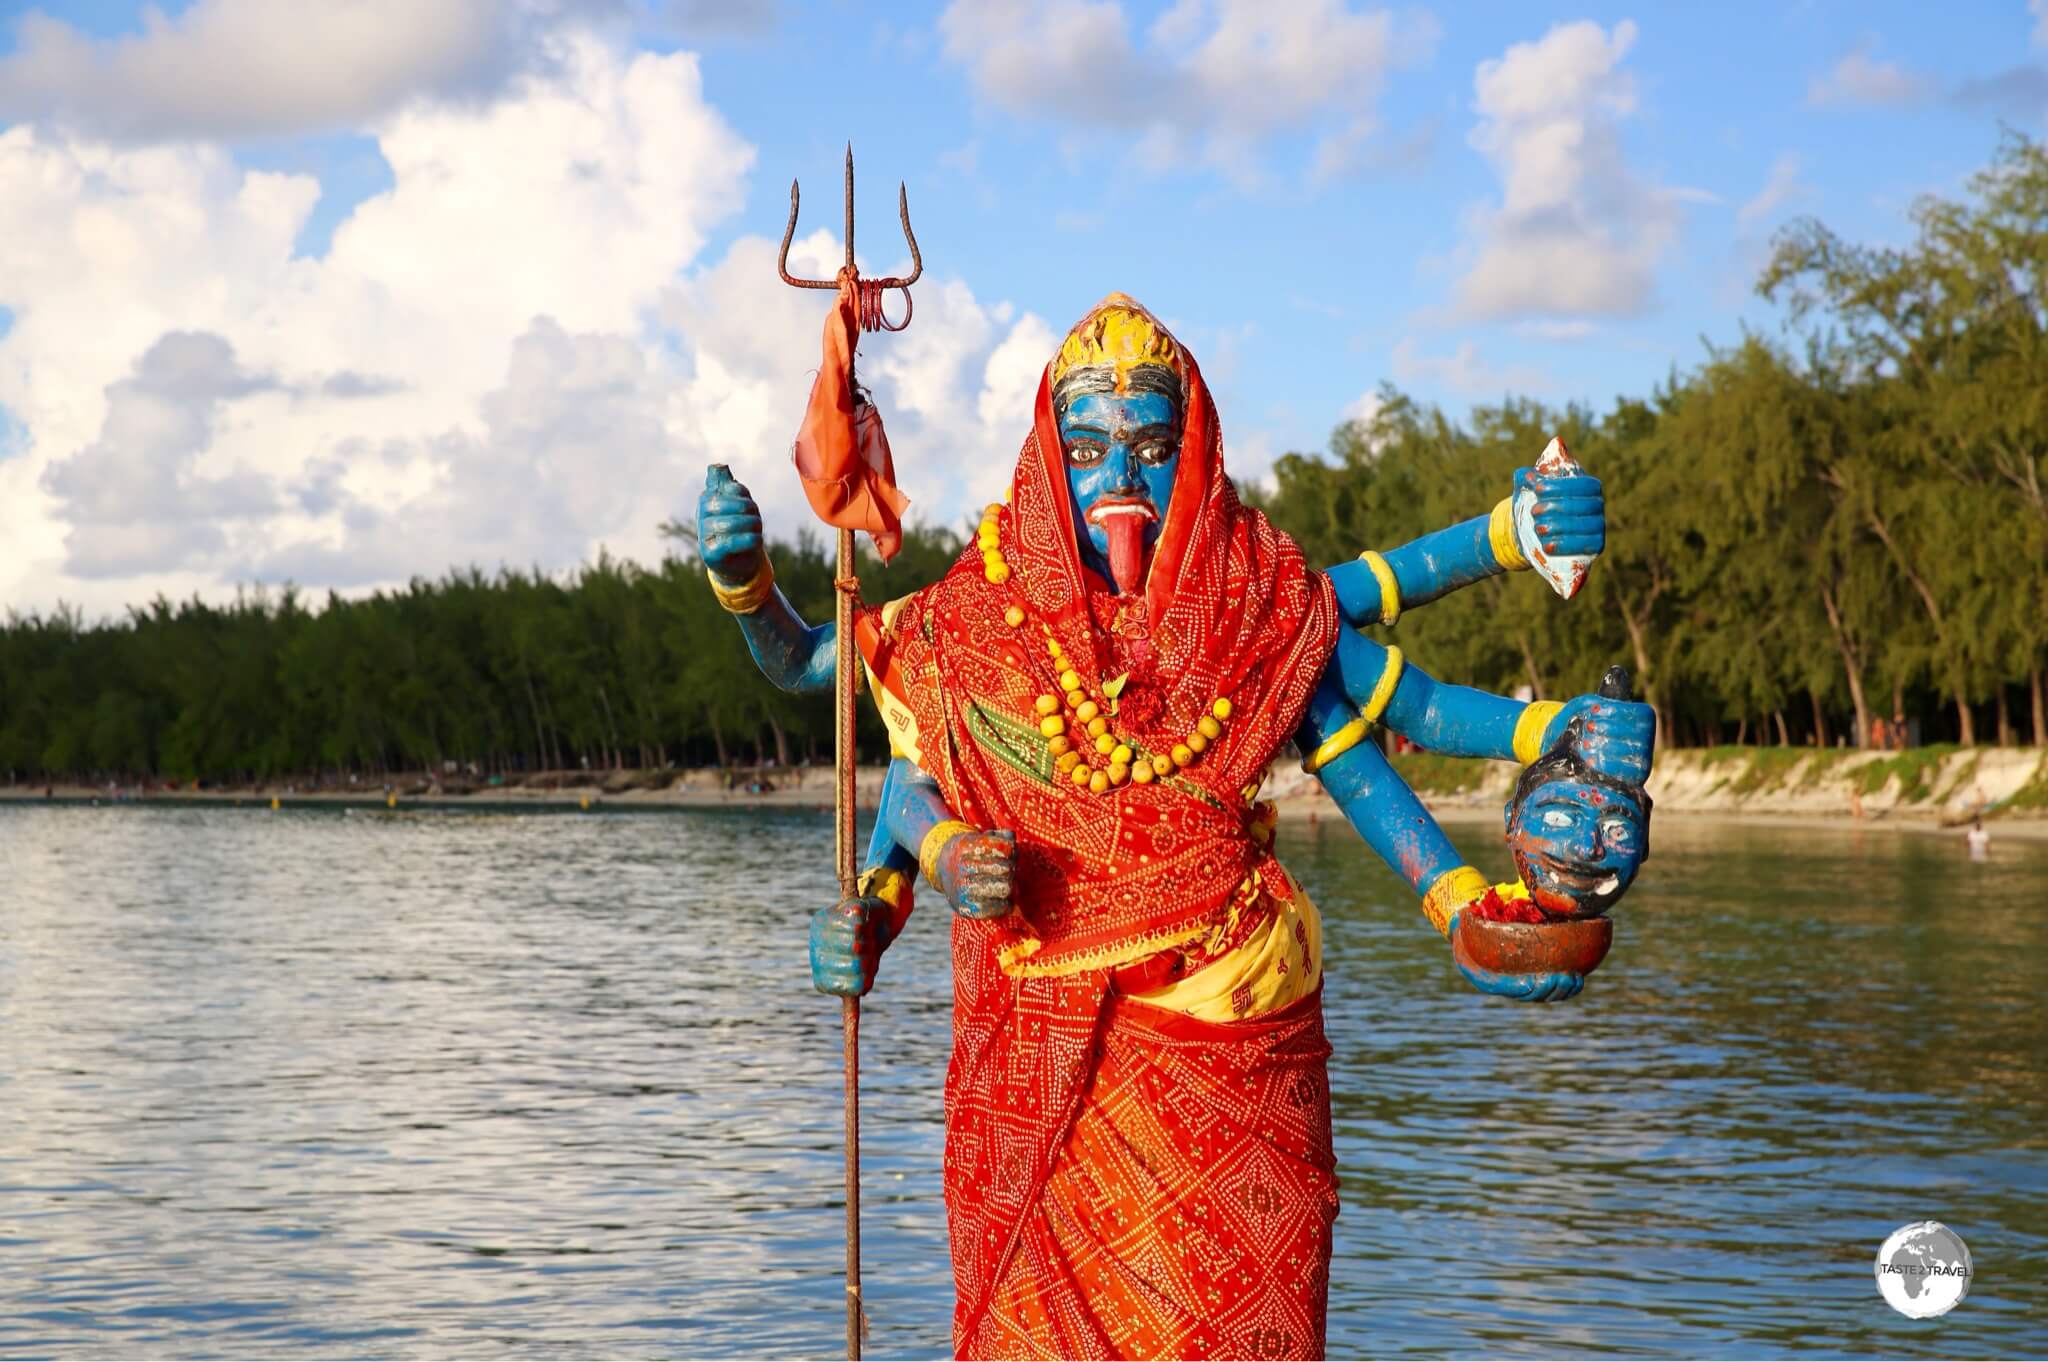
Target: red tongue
point(1126, 550)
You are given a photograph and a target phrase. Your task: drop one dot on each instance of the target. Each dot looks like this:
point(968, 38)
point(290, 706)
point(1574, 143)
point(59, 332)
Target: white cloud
point(513, 355)
point(252, 68)
point(1557, 330)
point(135, 496)
point(1364, 407)
point(1859, 80)
point(1465, 373)
point(1783, 186)
point(1576, 232)
point(1251, 454)
point(1365, 410)
point(955, 388)
point(1211, 83)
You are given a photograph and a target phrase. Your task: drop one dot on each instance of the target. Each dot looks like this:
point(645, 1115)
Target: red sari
point(1122, 1180)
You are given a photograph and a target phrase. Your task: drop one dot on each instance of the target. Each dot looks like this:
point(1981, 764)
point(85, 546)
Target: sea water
point(306, 1083)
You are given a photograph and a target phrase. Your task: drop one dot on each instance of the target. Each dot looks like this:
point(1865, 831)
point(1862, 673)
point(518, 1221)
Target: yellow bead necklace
point(1074, 722)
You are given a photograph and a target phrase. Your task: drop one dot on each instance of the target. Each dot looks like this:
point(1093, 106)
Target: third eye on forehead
point(1120, 432)
point(1106, 412)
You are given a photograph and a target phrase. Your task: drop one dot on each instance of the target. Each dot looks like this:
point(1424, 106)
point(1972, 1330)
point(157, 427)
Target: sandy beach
point(1929, 791)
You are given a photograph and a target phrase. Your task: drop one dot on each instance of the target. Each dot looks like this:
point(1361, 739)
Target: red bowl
point(1573, 947)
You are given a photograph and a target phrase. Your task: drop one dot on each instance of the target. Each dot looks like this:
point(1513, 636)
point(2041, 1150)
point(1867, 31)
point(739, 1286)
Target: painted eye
point(1614, 830)
point(1154, 452)
point(1085, 453)
point(1557, 818)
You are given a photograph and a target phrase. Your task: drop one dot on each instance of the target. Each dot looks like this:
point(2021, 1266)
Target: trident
point(869, 293)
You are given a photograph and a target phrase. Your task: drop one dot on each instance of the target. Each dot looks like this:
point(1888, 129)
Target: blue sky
point(1315, 284)
point(1464, 201)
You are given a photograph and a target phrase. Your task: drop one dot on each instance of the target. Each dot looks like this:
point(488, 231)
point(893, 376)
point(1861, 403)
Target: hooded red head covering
point(1229, 611)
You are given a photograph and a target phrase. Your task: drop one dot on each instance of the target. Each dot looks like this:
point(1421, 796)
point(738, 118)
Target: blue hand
point(1617, 738)
point(793, 655)
point(728, 526)
point(847, 941)
point(977, 872)
point(1570, 512)
point(1554, 986)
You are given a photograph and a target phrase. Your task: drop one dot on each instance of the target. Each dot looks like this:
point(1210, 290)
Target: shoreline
point(2020, 827)
point(812, 790)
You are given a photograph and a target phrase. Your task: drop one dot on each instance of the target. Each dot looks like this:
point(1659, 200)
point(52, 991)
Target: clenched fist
point(977, 872)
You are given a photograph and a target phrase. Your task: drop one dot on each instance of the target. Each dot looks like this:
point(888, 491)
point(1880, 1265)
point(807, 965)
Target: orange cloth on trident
point(842, 453)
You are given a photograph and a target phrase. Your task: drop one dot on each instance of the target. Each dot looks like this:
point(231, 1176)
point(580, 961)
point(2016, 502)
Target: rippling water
point(303, 1083)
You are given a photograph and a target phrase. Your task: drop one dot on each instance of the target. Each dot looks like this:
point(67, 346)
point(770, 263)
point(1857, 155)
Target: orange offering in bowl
point(1504, 931)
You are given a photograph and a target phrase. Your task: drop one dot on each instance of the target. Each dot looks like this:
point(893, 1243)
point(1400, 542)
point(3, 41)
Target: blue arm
point(1435, 565)
point(795, 656)
point(974, 869)
point(848, 938)
point(1393, 822)
point(1374, 798)
point(1618, 736)
point(897, 835)
point(971, 867)
point(1569, 517)
point(1455, 720)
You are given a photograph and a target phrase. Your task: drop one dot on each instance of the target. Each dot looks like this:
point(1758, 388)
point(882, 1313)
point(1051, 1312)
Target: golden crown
point(1118, 333)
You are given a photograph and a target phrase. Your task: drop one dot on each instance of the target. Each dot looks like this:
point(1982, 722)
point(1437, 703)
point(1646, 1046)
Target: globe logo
point(1923, 1270)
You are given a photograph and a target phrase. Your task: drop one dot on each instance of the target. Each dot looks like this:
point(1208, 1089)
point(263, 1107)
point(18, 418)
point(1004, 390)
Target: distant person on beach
point(1978, 840)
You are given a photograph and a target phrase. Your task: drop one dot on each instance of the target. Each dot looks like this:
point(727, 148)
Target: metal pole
point(849, 1012)
point(849, 1007)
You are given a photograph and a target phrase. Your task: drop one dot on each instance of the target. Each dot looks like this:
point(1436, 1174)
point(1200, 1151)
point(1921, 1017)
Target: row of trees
point(615, 665)
point(1800, 539)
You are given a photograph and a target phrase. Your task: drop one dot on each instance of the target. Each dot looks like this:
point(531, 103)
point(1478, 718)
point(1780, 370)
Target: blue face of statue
point(1121, 452)
point(1577, 845)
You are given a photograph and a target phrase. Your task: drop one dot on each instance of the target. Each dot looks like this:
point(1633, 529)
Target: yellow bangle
point(745, 600)
point(1383, 689)
point(1353, 733)
point(1500, 532)
point(1529, 729)
point(1390, 590)
point(1451, 891)
point(1337, 744)
point(934, 842)
point(884, 882)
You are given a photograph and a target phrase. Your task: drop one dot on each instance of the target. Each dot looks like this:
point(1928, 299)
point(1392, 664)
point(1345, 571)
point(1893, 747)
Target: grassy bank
point(1940, 784)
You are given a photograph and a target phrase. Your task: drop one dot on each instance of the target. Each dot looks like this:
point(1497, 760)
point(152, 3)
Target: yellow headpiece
point(1118, 333)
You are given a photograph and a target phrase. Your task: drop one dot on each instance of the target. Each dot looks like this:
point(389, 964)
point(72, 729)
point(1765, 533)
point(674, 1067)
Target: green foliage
point(1913, 769)
point(616, 664)
point(1798, 537)
point(1824, 761)
point(1768, 767)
